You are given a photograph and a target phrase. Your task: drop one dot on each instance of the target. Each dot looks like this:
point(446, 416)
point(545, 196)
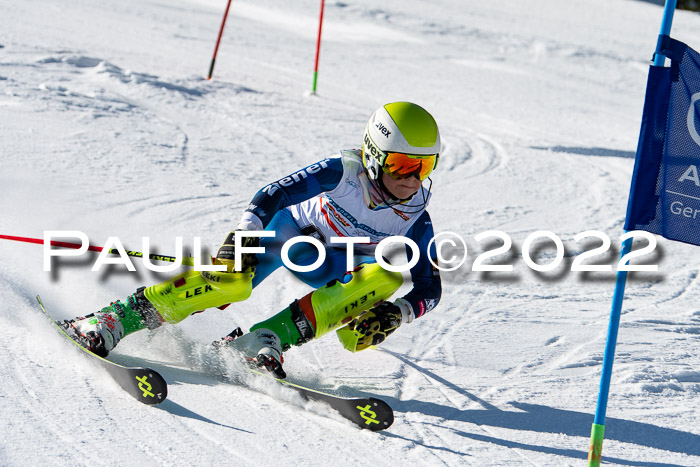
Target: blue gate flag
point(665, 193)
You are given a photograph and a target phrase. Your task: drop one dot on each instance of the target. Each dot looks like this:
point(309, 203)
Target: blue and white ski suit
point(331, 198)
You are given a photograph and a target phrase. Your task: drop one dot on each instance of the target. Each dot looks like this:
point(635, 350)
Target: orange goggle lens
point(398, 165)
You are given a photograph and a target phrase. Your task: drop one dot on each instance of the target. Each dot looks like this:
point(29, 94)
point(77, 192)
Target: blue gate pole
point(597, 431)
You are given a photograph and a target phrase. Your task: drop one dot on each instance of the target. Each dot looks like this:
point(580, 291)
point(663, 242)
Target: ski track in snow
point(110, 128)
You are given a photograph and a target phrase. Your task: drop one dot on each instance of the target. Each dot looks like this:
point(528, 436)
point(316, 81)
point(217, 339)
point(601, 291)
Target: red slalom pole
point(40, 241)
point(218, 40)
point(187, 261)
point(318, 48)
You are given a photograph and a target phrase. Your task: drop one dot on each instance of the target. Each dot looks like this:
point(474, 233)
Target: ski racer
point(352, 201)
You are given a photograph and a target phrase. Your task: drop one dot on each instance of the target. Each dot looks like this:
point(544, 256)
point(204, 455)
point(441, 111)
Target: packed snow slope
point(108, 127)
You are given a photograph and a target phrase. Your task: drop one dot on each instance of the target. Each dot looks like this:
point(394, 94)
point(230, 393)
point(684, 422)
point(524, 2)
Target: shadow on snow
point(544, 419)
point(601, 152)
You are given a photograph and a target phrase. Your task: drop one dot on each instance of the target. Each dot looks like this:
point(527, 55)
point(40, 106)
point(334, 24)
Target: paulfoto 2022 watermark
point(114, 253)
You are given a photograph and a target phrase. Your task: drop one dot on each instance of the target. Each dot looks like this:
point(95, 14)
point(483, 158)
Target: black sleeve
point(427, 287)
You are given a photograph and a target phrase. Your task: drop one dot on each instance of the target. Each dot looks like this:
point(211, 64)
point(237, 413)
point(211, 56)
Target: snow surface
point(108, 127)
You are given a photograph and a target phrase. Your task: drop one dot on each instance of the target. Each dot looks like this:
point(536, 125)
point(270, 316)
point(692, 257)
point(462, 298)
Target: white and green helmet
point(404, 128)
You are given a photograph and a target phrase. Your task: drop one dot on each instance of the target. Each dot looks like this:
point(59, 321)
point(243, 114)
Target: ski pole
point(186, 261)
point(218, 39)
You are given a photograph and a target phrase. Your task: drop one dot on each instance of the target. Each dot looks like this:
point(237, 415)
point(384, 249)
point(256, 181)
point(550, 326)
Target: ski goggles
point(399, 165)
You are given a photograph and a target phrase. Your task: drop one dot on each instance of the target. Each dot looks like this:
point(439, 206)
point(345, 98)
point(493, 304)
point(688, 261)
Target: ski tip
point(144, 384)
point(384, 412)
point(151, 388)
